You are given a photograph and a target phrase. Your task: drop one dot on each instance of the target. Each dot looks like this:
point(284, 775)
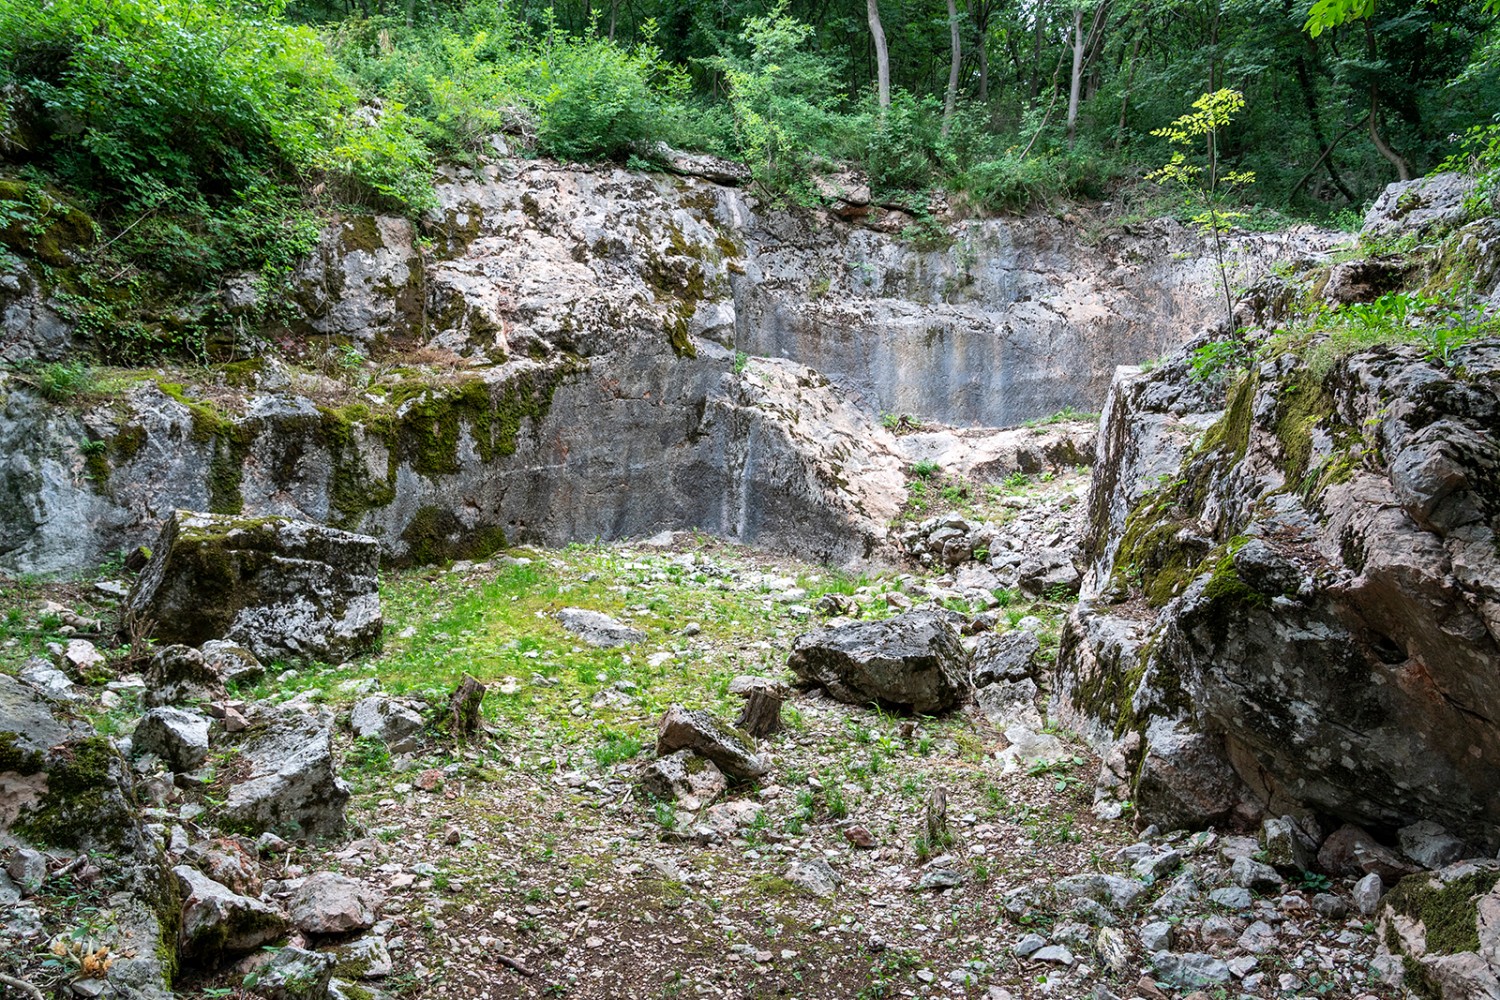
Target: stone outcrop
point(915, 661)
point(1290, 601)
point(610, 354)
point(1440, 932)
point(281, 588)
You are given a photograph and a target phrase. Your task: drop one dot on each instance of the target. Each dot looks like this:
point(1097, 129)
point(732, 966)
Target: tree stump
point(463, 707)
point(761, 714)
point(938, 835)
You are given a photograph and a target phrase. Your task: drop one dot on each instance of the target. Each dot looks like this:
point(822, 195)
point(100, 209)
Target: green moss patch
point(1450, 912)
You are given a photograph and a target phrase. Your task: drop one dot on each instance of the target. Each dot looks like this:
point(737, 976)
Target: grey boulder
point(394, 722)
point(217, 922)
point(598, 629)
point(179, 738)
point(290, 780)
point(328, 903)
point(730, 749)
point(915, 661)
point(279, 587)
point(682, 777)
point(180, 675)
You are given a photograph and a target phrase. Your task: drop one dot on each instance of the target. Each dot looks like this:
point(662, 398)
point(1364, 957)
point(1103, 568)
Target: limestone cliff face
point(574, 353)
point(1293, 600)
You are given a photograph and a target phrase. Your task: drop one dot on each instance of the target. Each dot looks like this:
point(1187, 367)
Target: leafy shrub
point(903, 150)
point(1011, 183)
point(599, 101)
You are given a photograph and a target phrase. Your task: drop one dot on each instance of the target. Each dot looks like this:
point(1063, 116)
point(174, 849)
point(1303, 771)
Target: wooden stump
point(761, 715)
point(463, 707)
point(938, 835)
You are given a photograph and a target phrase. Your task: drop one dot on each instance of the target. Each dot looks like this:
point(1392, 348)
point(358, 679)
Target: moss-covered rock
point(280, 588)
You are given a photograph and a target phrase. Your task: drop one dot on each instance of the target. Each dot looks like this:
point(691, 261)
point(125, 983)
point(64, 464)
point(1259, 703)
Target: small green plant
point(614, 747)
point(1207, 184)
point(1218, 360)
point(741, 362)
point(925, 469)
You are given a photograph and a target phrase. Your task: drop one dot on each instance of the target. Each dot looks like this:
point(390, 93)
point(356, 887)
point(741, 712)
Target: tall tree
point(950, 100)
point(882, 54)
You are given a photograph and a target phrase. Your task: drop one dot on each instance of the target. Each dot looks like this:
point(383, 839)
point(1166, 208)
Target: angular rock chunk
point(1007, 657)
point(815, 877)
point(1110, 891)
point(179, 738)
point(61, 784)
point(1431, 846)
point(279, 587)
point(394, 722)
point(291, 780)
point(216, 921)
point(683, 777)
point(914, 661)
point(179, 675)
point(234, 664)
point(327, 903)
point(702, 733)
point(1286, 847)
point(295, 974)
point(598, 629)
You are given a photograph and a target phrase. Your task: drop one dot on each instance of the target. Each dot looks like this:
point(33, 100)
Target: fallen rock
point(362, 958)
point(295, 974)
point(217, 922)
point(1007, 657)
point(49, 680)
point(179, 738)
point(1110, 891)
point(234, 664)
point(80, 659)
point(1367, 894)
point(280, 588)
point(815, 877)
point(914, 661)
point(1431, 846)
point(1255, 876)
point(598, 629)
point(393, 721)
point(328, 903)
point(61, 784)
point(701, 732)
point(28, 869)
point(1285, 846)
point(683, 777)
point(1190, 970)
point(290, 780)
point(181, 675)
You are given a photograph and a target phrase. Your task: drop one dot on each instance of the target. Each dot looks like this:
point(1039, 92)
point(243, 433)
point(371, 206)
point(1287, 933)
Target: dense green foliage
point(203, 137)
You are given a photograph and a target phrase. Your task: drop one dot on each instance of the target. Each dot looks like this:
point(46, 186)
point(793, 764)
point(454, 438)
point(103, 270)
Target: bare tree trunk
point(463, 708)
point(882, 55)
point(950, 101)
point(1075, 84)
point(1036, 57)
point(1135, 51)
point(1403, 169)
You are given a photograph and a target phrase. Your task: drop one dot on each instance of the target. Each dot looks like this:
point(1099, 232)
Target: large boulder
point(61, 784)
point(731, 750)
point(288, 780)
point(279, 587)
point(217, 921)
point(915, 661)
point(1302, 616)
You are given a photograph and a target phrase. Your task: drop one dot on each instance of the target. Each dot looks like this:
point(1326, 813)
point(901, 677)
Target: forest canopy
point(208, 135)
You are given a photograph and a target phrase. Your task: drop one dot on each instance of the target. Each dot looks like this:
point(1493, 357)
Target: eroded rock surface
point(914, 661)
point(281, 588)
